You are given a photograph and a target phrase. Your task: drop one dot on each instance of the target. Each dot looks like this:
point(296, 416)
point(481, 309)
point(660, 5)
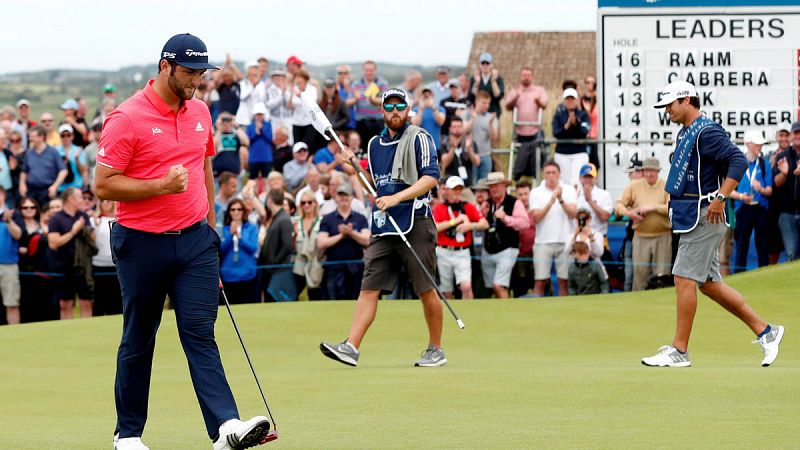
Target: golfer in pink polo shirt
point(153, 158)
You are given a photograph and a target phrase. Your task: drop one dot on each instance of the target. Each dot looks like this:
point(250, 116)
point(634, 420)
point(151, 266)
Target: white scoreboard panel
point(742, 60)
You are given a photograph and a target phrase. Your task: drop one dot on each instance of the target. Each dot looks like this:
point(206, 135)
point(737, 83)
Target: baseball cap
point(633, 166)
point(754, 137)
point(453, 82)
point(570, 92)
point(294, 60)
point(485, 56)
point(651, 163)
point(344, 188)
point(394, 92)
point(329, 82)
point(454, 182)
point(278, 73)
point(785, 126)
point(23, 102)
point(69, 103)
point(65, 127)
point(589, 169)
point(795, 127)
point(188, 51)
point(299, 146)
point(109, 88)
point(259, 108)
point(442, 69)
point(673, 91)
point(251, 63)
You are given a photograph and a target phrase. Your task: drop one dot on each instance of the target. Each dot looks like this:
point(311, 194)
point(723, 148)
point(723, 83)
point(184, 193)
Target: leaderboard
point(743, 60)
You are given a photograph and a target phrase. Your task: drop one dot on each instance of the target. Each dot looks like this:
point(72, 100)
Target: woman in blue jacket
point(239, 248)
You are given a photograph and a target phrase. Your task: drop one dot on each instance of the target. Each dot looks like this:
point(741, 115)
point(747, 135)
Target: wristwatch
point(720, 198)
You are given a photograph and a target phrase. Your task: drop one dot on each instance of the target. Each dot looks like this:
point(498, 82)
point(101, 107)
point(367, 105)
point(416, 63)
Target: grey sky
point(111, 34)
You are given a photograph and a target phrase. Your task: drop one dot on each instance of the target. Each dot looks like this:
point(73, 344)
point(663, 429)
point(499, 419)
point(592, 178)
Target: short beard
point(526, 83)
point(178, 90)
point(392, 127)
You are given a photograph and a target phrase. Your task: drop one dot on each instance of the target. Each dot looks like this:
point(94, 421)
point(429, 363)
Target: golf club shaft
point(371, 189)
point(246, 354)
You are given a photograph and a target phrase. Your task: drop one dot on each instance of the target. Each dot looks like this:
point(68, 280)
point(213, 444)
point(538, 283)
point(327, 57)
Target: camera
point(581, 221)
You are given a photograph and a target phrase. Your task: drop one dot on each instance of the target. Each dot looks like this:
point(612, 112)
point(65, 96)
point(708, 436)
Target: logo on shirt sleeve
point(101, 152)
point(199, 127)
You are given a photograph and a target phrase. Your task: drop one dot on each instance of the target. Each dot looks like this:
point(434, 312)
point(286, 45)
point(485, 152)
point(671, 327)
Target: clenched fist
point(176, 180)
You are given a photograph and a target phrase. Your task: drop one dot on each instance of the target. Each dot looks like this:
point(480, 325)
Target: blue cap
point(485, 56)
point(188, 51)
point(70, 103)
point(588, 169)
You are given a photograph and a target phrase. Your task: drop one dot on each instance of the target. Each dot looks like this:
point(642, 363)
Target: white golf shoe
point(235, 434)
point(668, 356)
point(131, 443)
point(770, 344)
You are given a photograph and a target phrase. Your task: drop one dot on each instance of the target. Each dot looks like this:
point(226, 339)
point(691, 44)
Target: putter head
point(271, 436)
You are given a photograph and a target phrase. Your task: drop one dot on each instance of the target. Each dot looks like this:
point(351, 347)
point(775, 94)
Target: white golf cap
point(259, 108)
point(65, 127)
point(674, 91)
point(250, 64)
point(785, 126)
point(754, 137)
point(299, 146)
point(454, 182)
point(570, 92)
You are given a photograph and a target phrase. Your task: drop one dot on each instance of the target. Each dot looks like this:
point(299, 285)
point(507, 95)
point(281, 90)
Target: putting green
point(524, 374)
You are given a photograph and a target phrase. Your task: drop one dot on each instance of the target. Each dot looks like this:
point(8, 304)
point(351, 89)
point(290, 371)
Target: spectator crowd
point(293, 220)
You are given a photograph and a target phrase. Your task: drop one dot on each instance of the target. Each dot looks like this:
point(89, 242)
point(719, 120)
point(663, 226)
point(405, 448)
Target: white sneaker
point(235, 434)
point(770, 343)
point(132, 443)
point(668, 356)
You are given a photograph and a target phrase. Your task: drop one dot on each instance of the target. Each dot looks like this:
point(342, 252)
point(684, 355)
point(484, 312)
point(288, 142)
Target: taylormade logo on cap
point(187, 51)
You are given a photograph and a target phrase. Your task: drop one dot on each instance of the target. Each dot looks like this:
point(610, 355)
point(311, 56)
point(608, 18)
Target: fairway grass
point(546, 373)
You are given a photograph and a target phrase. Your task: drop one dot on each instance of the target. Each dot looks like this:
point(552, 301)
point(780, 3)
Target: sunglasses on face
point(236, 209)
point(15, 141)
point(389, 107)
point(342, 73)
point(307, 202)
point(28, 207)
point(66, 135)
point(485, 63)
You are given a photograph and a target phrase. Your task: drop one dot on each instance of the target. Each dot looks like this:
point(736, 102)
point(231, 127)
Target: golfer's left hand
point(714, 212)
point(386, 202)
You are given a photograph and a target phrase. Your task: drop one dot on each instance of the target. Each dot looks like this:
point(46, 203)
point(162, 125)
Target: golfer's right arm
point(111, 184)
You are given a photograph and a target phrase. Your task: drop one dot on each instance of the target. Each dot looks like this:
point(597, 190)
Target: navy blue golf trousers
point(185, 266)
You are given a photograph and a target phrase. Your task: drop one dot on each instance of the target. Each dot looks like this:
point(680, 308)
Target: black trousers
point(750, 218)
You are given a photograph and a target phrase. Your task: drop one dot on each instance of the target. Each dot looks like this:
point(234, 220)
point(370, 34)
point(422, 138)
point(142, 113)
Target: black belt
point(188, 229)
point(452, 247)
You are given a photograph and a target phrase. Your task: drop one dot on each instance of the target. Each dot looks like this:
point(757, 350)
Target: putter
point(323, 125)
point(273, 433)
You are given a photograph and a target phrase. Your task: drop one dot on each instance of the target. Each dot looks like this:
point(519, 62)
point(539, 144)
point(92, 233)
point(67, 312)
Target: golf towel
point(404, 167)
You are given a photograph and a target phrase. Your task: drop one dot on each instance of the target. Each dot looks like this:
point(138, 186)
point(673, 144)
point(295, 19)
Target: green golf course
point(536, 373)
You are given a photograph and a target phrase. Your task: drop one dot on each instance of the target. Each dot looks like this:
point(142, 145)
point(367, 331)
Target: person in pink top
point(154, 160)
point(589, 103)
point(528, 99)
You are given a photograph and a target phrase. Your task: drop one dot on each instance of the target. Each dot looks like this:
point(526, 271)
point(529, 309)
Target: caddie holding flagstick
point(705, 169)
point(404, 168)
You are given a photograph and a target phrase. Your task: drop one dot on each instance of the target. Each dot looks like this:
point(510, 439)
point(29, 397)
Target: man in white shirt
point(552, 206)
point(251, 91)
point(594, 199)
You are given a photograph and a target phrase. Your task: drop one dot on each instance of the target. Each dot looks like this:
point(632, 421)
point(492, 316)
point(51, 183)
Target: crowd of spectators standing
point(294, 221)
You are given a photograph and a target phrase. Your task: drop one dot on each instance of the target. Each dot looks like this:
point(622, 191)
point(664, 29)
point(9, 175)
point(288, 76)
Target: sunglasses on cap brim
point(389, 107)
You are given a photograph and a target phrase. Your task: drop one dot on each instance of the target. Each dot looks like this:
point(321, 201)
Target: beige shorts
point(453, 264)
point(543, 255)
point(9, 284)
